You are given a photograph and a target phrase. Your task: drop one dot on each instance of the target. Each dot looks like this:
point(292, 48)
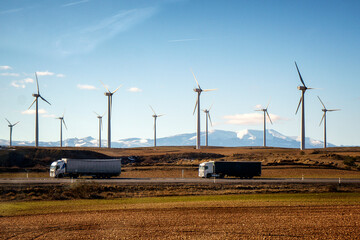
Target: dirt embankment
point(39, 159)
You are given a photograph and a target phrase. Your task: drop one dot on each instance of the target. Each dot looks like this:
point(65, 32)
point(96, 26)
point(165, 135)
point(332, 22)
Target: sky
point(244, 49)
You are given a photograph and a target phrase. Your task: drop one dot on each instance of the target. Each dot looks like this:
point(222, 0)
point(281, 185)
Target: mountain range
point(223, 138)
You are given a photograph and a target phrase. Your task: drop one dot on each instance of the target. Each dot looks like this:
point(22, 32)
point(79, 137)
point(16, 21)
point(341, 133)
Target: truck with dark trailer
point(222, 169)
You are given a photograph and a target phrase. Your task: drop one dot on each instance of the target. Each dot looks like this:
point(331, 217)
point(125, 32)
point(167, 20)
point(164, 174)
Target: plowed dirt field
point(193, 220)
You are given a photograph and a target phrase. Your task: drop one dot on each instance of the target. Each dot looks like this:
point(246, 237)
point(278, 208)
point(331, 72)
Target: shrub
point(349, 161)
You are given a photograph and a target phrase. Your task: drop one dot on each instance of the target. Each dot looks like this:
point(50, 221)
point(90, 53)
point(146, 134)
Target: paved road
point(5, 181)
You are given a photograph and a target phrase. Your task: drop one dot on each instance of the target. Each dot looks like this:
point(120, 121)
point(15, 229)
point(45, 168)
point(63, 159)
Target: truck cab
point(57, 169)
point(206, 169)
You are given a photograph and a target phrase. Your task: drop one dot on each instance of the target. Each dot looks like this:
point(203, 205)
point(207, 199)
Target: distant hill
point(216, 138)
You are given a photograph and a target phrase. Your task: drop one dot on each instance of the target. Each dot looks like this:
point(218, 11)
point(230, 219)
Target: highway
point(20, 181)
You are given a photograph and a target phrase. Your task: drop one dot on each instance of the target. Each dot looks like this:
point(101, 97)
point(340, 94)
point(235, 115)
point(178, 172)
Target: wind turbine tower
point(198, 90)
point(303, 89)
point(61, 122)
point(324, 118)
point(109, 95)
point(155, 116)
point(207, 112)
point(100, 127)
point(265, 110)
point(37, 95)
point(11, 126)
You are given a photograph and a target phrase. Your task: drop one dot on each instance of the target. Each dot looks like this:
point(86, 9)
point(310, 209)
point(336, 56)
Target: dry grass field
point(270, 216)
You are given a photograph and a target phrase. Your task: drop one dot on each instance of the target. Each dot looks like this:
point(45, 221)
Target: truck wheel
point(208, 175)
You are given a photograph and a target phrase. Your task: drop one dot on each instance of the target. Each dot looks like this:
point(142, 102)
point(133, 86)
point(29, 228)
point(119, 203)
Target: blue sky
point(245, 49)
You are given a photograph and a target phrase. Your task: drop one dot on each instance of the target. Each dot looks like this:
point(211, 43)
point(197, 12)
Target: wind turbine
point(37, 95)
point(324, 118)
point(11, 126)
point(265, 110)
point(109, 95)
point(303, 89)
point(100, 126)
point(197, 105)
point(155, 116)
point(61, 122)
point(207, 112)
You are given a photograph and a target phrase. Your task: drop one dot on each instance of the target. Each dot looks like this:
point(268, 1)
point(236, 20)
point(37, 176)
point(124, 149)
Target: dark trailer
point(238, 169)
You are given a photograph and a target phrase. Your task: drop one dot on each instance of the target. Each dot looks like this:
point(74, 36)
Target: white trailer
point(98, 168)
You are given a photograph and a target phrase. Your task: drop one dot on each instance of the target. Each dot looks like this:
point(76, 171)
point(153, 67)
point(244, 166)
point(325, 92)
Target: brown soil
point(228, 221)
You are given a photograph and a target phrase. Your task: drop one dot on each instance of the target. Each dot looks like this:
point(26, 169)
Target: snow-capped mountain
point(216, 138)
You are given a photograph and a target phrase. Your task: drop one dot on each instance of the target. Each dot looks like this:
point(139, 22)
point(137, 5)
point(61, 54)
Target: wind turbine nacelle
point(107, 94)
point(197, 90)
point(155, 116)
point(302, 88)
point(35, 95)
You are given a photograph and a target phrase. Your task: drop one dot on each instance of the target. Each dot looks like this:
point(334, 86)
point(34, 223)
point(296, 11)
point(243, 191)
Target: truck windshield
point(203, 167)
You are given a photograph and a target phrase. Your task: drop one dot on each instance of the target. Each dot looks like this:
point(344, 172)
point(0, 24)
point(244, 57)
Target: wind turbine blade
point(333, 110)
point(64, 123)
point(32, 103)
point(16, 123)
point(267, 105)
point(105, 86)
point(103, 114)
point(116, 89)
point(195, 78)
point(300, 75)
point(210, 107)
point(96, 113)
point(152, 109)
point(37, 84)
point(209, 90)
point(321, 102)
point(195, 106)
point(160, 115)
point(258, 110)
point(210, 119)
point(299, 105)
point(8, 121)
point(44, 99)
point(322, 118)
point(269, 116)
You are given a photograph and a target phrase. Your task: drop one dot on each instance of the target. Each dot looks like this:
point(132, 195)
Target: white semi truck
point(97, 168)
point(230, 169)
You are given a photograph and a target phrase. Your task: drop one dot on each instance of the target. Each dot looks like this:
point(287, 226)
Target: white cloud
point(184, 40)
point(258, 106)
point(87, 39)
point(22, 83)
point(11, 11)
point(74, 3)
point(60, 75)
point(45, 73)
point(28, 80)
point(32, 111)
point(249, 119)
point(86, 87)
point(134, 89)
point(10, 74)
point(5, 68)
point(17, 84)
